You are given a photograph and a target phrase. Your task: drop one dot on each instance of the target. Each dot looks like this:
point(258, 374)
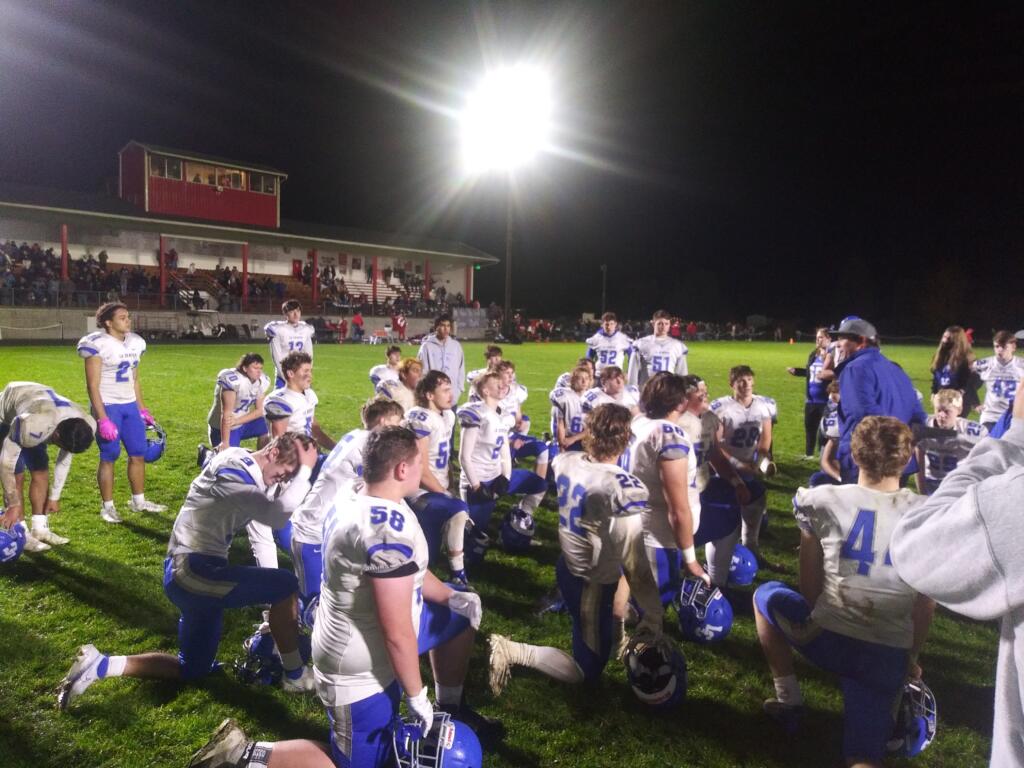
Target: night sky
point(804, 161)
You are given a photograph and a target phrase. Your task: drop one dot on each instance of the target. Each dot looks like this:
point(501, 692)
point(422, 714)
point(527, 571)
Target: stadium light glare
point(507, 119)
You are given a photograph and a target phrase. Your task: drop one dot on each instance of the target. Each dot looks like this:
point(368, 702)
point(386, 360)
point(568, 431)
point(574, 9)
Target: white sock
point(115, 666)
point(292, 663)
point(448, 697)
point(531, 502)
point(257, 754)
point(751, 514)
point(138, 498)
point(108, 504)
point(454, 535)
point(787, 690)
point(457, 562)
point(40, 523)
point(553, 662)
point(719, 556)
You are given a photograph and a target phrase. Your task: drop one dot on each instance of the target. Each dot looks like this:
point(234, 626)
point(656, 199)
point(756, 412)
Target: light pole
point(505, 124)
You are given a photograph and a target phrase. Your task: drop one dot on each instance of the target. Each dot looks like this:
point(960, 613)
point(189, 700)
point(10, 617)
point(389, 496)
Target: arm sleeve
point(467, 443)
point(60, 474)
point(633, 371)
point(972, 525)
point(9, 455)
point(506, 459)
point(683, 366)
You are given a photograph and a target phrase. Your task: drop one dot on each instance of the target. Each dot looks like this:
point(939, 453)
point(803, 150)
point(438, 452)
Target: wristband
point(690, 555)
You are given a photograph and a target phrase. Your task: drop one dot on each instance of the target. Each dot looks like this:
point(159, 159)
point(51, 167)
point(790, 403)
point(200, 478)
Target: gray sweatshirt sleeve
point(962, 546)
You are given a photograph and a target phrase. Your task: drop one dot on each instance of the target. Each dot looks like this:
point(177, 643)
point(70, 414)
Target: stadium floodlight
point(507, 119)
point(505, 124)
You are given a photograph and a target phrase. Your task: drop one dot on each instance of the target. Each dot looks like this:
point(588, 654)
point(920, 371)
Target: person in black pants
point(817, 394)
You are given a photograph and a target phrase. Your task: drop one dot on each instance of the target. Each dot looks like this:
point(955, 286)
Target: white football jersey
point(223, 499)
point(364, 537)
point(394, 389)
point(493, 429)
point(473, 376)
point(564, 380)
point(654, 441)
point(597, 504)
point(119, 358)
point(652, 354)
point(298, 407)
point(629, 397)
point(830, 421)
point(438, 426)
point(609, 350)
point(567, 407)
point(31, 412)
point(742, 425)
point(862, 596)
point(382, 372)
point(1001, 383)
point(247, 392)
point(285, 338)
point(342, 467)
point(703, 433)
point(942, 454)
point(773, 407)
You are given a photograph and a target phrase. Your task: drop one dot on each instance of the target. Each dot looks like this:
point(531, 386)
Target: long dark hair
point(956, 354)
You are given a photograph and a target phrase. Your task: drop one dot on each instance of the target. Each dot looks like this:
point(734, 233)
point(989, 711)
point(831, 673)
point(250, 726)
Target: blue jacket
point(872, 385)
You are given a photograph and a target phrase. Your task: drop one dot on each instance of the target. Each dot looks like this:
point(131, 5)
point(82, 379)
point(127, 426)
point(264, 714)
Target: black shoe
point(202, 455)
point(488, 729)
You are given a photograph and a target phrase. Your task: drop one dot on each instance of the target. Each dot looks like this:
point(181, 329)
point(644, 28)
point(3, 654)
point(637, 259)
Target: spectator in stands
point(191, 268)
point(197, 300)
point(342, 329)
point(358, 329)
point(441, 352)
point(398, 323)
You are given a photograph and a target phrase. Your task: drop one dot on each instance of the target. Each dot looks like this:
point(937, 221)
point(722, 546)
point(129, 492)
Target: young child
point(853, 615)
point(938, 454)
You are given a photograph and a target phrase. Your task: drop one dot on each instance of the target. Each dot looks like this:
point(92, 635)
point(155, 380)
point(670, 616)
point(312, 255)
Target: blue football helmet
point(656, 671)
point(517, 531)
point(12, 543)
point(156, 442)
point(705, 615)
point(476, 544)
point(261, 664)
point(743, 567)
point(917, 718)
point(448, 744)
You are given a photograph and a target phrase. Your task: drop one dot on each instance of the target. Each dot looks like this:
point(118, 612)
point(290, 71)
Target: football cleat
point(82, 674)
point(705, 615)
point(203, 455)
point(34, 544)
point(146, 506)
point(304, 683)
point(49, 537)
point(448, 743)
point(656, 671)
point(789, 716)
point(12, 543)
point(224, 749)
point(743, 567)
point(476, 544)
point(517, 531)
point(917, 719)
point(110, 515)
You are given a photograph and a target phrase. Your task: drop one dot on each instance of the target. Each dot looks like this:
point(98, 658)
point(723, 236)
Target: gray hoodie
point(447, 358)
point(936, 547)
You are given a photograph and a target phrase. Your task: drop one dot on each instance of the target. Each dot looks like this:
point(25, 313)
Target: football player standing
point(292, 334)
point(112, 356)
point(609, 346)
point(657, 352)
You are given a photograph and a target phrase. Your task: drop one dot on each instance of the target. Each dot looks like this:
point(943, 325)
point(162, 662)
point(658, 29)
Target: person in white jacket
point(935, 549)
point(441, 352)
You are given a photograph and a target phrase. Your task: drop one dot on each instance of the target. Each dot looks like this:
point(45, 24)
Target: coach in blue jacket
point(869, 385)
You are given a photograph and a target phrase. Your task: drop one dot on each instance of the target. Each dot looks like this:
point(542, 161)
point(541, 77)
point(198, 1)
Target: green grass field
point(105, 587)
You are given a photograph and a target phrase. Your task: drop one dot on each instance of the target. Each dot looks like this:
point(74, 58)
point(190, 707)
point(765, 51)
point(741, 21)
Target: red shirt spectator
point(398, 324)
point(691, 330)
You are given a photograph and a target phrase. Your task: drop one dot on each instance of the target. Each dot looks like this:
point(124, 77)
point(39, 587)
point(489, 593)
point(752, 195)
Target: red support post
point(316, 276)
point(162, 259)
point(373, 284)
point(426, 279)
point(63, 251)
point(245, 277)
